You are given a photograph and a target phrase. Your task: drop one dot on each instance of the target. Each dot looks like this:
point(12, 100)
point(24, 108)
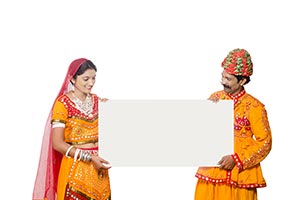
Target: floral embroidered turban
point(238, 62)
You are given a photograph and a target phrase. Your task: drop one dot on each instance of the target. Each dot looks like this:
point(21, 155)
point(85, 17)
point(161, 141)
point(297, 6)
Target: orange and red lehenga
point(79, 179)
point(59, 177)
point(252, 143)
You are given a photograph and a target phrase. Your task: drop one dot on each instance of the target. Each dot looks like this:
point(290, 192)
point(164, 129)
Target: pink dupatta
point(45, 186)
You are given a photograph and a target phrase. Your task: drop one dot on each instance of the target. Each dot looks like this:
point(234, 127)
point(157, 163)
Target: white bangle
point(80, 155)
point(58, 125)
point(67, 152)
point(76, 154)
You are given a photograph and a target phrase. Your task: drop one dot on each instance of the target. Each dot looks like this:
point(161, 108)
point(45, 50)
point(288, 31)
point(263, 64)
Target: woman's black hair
point(85, 66)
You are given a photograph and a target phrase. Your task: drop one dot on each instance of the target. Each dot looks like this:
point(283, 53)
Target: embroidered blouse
point(79, 127)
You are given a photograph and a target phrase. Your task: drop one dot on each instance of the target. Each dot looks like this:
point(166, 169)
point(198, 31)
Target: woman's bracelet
point(77, 152)
point(68, 151)
point(86, 156)
point(83, 155)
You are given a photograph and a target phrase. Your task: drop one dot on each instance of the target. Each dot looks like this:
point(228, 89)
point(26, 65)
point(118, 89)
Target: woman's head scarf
point(47, 174)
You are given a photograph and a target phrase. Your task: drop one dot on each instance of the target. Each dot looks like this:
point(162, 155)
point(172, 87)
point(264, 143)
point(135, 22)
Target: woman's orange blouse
point(79, 127)
point(252, 143)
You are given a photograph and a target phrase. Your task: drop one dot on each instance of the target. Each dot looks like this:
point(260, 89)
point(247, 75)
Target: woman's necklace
point(85, 106)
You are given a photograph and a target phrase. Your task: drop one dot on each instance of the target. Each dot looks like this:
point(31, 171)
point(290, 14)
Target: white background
point(154, 49)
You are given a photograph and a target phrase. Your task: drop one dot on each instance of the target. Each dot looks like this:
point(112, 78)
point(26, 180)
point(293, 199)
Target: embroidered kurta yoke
point(252, 143)
point(79, 179)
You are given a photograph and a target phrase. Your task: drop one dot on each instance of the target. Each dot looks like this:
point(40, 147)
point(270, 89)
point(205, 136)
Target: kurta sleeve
point(59, 112)
point(214, 96)
point(261, 142)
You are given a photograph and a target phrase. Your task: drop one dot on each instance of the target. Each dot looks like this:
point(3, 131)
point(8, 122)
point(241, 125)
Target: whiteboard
point(165, 132)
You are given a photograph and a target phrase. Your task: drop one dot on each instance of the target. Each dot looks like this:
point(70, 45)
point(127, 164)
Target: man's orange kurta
point(252, 143)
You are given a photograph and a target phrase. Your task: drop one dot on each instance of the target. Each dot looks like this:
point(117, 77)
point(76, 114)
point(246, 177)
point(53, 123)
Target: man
point(240, 174)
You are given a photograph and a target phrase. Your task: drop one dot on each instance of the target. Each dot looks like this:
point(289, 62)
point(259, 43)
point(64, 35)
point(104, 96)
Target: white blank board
point(165, 132)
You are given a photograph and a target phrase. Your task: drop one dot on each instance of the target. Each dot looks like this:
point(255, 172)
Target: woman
point(70, 167)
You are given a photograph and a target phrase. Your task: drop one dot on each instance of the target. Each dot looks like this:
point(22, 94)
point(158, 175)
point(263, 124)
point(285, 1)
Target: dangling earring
point(73, 85)
point(70, 87)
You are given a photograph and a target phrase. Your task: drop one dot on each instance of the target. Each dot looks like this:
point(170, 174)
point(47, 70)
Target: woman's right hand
point(100, 163)
point(103, 99)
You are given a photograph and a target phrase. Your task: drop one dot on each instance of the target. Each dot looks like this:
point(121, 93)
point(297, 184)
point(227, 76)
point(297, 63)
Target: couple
point(70, 167)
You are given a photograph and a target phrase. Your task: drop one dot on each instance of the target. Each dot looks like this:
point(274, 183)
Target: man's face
point(230, 83)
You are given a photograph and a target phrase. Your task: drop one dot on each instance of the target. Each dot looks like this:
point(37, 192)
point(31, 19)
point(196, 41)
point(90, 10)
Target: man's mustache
point(226, 86)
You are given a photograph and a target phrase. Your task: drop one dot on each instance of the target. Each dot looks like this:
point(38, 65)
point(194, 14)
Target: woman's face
point(85, 82)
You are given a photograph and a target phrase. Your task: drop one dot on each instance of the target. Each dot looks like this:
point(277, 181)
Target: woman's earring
point(70, 87)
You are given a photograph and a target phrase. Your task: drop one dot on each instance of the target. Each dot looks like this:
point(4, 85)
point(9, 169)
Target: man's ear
point(243, 81)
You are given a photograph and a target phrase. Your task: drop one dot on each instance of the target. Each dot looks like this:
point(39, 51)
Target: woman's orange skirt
point(78, 179)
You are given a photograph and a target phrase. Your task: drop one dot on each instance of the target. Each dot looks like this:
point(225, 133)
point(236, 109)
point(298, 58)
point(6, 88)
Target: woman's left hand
point(100, 163)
